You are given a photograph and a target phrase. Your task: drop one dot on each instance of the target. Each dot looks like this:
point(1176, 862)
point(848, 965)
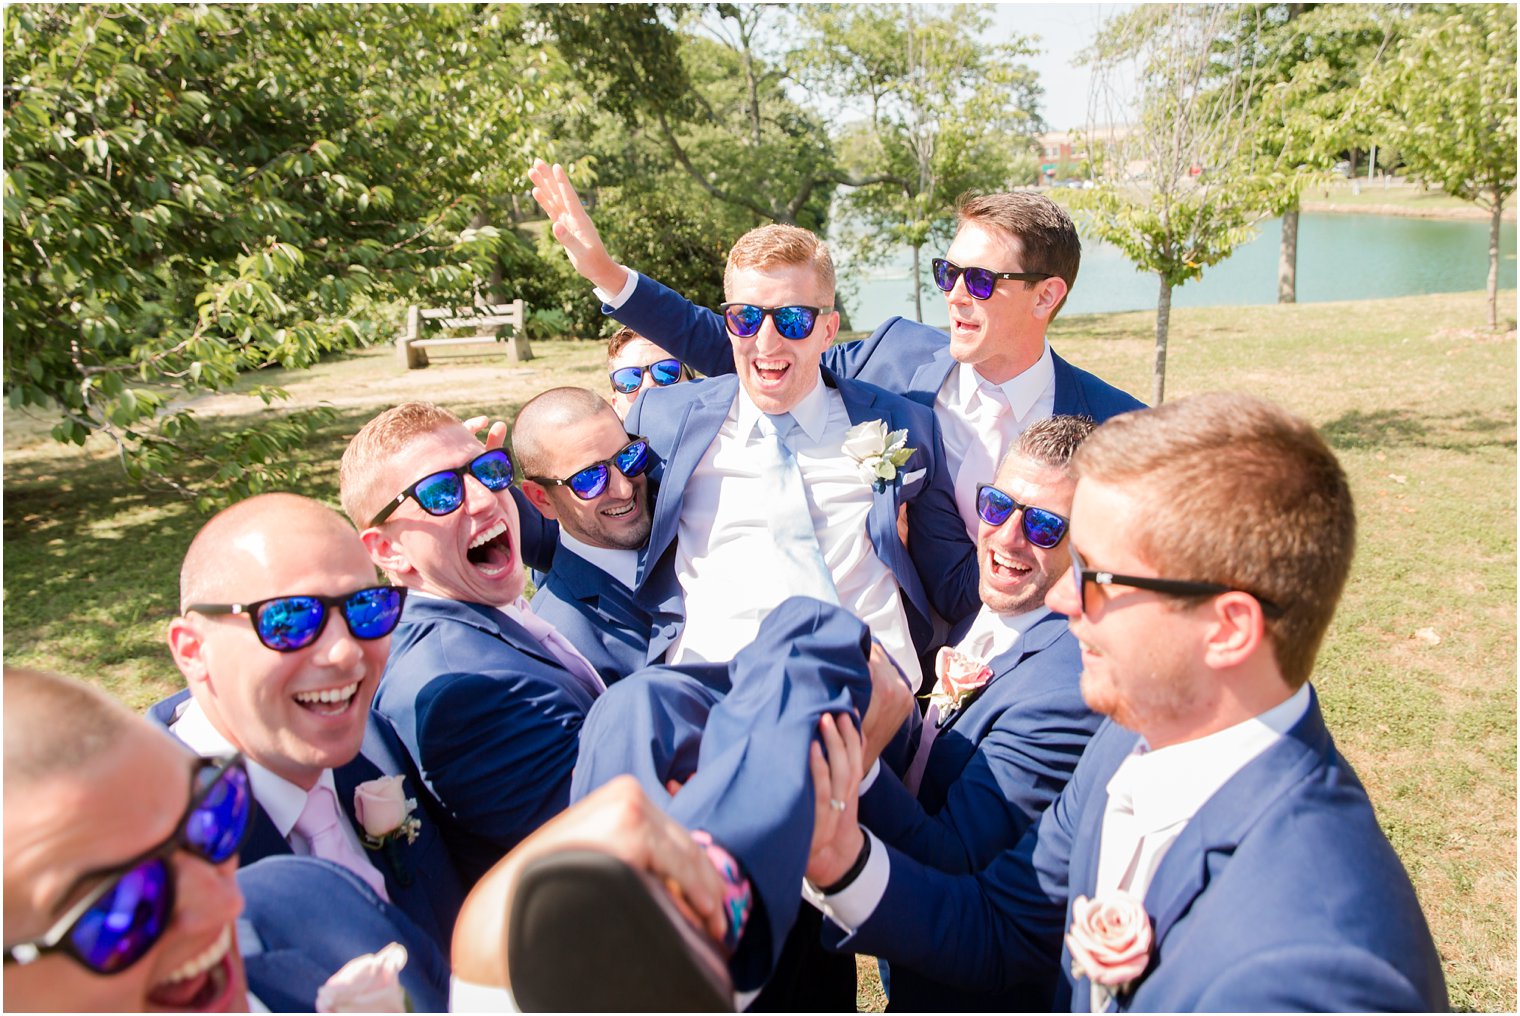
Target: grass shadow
point(1461, 431)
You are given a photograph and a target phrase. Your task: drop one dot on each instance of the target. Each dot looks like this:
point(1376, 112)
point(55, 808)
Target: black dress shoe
point(590, 934)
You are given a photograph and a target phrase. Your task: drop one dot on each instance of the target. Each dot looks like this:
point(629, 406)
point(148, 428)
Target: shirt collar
point(1021, 391)
point(811, 414)
point(1170, 785)
point(992, 634)
point(622, 565)
point(278, 798)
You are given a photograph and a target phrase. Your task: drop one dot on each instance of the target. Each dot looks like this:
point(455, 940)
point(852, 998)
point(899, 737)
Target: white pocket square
point(914, 477)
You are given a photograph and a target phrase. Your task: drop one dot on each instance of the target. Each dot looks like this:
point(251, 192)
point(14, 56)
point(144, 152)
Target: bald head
point(55, 725)
point(254, 530)
point(543, 420)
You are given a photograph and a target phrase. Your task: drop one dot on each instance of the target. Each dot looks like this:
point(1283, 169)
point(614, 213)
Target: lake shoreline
point(1471, 213)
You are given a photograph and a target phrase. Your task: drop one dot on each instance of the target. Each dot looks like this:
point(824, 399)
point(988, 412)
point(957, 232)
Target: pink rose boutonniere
point(369, 983)
point(1110, 943)
point(960, 676)
point(385, 812)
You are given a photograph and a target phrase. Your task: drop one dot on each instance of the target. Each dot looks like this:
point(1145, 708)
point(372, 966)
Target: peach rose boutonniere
point(385, 812)
point(959, 677)
point(1110, 943)
point(368, 983)
point(878, 455)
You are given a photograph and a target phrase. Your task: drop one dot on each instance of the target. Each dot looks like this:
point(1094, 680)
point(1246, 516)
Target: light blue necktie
point(791, 523)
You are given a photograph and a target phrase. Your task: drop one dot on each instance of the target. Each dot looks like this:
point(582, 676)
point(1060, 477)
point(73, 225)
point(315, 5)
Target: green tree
point(193, 192)
point(944, 114)
point(1177, 190)
point(1447, 99)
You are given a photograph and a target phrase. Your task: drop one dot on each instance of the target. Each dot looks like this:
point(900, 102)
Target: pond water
point(1340, 257)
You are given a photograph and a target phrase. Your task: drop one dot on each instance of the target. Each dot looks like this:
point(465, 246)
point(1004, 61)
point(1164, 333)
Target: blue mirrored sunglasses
point(627, 380)
point(795, 322)
point(980, 282)
point(443, 492)
point(1042, 527)
point(288, 623)
point(631, 460)
point(117, 923)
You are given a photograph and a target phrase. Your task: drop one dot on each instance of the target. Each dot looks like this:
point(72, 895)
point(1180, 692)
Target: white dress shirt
point(622, 565)
point(975, 439)
point(724, 543)
point(278, 798)
point(1166, 787)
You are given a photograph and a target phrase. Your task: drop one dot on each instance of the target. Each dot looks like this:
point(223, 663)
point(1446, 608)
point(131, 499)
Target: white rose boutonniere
point(1110, 943)
point(878, 455)
point(368, 983)
point(385, 812)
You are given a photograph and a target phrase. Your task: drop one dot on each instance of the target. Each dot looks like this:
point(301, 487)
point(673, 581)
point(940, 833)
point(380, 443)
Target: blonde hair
point(377, 441)
point(779, 244)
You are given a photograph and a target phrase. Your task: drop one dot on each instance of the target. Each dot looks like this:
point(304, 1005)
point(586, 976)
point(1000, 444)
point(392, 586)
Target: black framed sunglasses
point(1042, 527)
point(442, 492)
point(1081, 575)
point(288, 623)
point(631, 460)
point(122, 918)
point(794, 322)
point(980, 282)
point(628, 380)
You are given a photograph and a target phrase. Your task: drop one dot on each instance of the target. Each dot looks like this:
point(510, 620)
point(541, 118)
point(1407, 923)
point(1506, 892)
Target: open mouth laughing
point(201, 984)
point(491, 550)
point(328, 701)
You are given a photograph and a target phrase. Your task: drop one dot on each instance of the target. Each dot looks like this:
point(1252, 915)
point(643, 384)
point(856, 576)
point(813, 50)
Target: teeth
point(328, 695)
point(1003, 562)
point(205, 961)
point(487, 535)
point(770, 364)
point(617, 513)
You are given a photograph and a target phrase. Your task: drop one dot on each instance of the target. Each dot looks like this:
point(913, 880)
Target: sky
point(1064, 29)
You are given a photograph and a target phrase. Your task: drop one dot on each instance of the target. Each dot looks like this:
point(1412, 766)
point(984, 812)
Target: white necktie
point(991, 429)
point(791, 523)
point(561, 648)
point(319, 825)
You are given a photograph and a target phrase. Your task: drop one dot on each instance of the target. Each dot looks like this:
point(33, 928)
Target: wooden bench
point(488, 321)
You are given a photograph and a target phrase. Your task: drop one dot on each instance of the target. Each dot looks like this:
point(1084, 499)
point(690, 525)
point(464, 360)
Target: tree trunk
point(1163, 322)
point(517, 348)
point(1287, 258)
point(1493, 262)
point(918, 289)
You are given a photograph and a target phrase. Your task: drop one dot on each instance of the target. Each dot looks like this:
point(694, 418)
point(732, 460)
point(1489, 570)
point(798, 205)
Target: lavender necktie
point(561, 648)
point(319, 825)
point(791, 523)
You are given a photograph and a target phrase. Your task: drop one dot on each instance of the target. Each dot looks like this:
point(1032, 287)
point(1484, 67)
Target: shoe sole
point(589, 934)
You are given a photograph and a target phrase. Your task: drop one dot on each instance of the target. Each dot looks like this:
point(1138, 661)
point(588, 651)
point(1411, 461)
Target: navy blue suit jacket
point(997, 762)
point(901, 356)
point(304, 918)
point(490, 719)
point(1282, 893)
point(419, 876)
point(598, 614)
point(938, 568)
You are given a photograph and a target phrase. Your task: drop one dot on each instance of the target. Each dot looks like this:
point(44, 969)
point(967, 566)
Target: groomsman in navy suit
point(786, 462)
point(1007, 722)
point(1005, 276)
point(584, 471)
point(282, 637)
point(486, 697)
point(1213, 850)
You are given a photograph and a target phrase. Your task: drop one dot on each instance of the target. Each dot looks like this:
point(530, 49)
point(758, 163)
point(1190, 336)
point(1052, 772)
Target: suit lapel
point(483, 616)
point(931, 374)
point(264, 840)
point(1039, 636)
point(1229, 815)
point(693, 434)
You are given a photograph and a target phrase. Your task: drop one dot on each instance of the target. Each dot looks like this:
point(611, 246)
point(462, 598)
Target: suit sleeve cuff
point(870, 778)
point(612, 301)
point(853, 905)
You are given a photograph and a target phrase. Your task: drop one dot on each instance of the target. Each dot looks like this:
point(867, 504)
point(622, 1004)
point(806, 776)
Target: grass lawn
point(1417, 678)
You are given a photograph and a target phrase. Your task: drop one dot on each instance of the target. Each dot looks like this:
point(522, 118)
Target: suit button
point(669, 631)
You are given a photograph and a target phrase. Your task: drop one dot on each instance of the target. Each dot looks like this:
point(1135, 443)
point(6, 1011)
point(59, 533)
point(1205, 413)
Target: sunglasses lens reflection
point(215, 828)
point(1042, 528)
point(993, 506)
point(589, 482)
point(493, 470)
point(290, 622)
point(440, 493)
point(373, 613)
point(794, 322)
point(944, 274)
point(744, 319)
point(628, 379)
point(634, 459)
point(665, 372)
point(127, 921)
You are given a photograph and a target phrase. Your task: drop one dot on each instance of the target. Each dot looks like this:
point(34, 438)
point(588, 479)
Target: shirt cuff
point(853, 905)
point(870, 777)
point(615, 300)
